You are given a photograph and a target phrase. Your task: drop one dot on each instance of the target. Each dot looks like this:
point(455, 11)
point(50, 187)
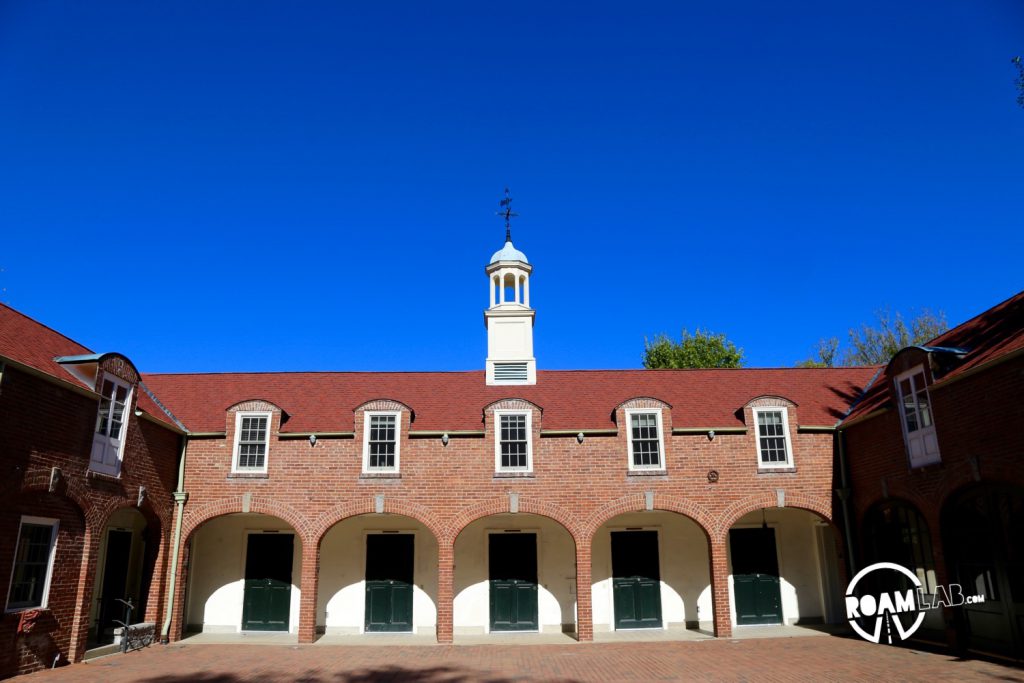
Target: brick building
point(935, 453)
point(448, 503)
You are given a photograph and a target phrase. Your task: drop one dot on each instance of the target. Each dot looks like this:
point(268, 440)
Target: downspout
point(180, 498)
point(844, 500)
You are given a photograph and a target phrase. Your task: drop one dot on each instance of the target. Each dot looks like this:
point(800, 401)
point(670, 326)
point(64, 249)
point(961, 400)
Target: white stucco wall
point(800, 566)
point(341, 599)
point(685, 569)
point(556, 572)
point(217, 572)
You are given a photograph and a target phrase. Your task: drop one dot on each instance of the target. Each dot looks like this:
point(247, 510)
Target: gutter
point(180, 498)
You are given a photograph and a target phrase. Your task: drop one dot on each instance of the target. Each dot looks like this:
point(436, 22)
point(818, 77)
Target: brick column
point(445, 589)
point(83, 602)
point(720, 587)
point(309, 587)
point(584, 609)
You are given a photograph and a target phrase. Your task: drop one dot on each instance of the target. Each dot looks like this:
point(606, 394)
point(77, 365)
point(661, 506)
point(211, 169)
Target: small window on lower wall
point(773, 447)
point(512, 448)
point(33, 563)
point(646, 445)
point(252, 435)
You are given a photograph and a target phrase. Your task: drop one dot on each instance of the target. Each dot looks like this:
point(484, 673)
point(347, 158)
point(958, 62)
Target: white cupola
point(509, 319)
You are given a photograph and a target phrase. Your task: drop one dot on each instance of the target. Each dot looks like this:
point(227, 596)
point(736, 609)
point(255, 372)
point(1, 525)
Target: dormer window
point(108, 437)
point(512, 448)
point(380, 441)
point(773, 446)
point(252, 436)
point(646, 445)
point(916, 418)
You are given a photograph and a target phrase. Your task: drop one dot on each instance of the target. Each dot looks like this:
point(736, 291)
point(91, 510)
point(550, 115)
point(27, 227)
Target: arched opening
point(510, 290)
point(514, 573)
point(651, 570)
point(495, 290)
point(894, 531)
point(126, 562)
point(784, 569)
point(378, 574)
point(983, 534)
point(244, 575)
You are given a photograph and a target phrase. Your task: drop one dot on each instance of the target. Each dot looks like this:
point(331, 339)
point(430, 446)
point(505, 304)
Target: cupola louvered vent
point(510, 372)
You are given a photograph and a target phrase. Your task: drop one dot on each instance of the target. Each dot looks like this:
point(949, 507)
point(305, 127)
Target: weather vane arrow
point(508, 214)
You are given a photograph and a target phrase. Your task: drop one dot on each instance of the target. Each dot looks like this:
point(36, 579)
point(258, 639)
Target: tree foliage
point(702, 349)
point(876, 344)
point(1017, 62)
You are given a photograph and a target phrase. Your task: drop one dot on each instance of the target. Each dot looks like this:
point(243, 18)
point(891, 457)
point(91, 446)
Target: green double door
point(755, 576)
point(513, 577)
point(389, 580)
point(268, 582)
point(636, 579)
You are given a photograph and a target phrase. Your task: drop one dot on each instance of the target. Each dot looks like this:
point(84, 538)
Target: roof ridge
point(45, 326)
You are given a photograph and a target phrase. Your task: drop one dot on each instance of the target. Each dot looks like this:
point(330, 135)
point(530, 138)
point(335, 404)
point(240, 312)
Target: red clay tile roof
point(454, 401)
point(31, 343)
point(987, 337)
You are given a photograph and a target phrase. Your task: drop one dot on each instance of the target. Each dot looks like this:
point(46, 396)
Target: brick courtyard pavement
point(787, 659)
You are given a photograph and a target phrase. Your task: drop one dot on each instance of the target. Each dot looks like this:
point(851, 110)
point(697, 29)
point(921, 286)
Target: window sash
point(252, 442)
point(33, 560)
point(513, 442)
point(382, 442)
point(645, 439)
point(772, 437)
point(917, 412)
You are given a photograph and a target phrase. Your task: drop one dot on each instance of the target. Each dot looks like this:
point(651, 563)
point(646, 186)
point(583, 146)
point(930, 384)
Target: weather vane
point(508, 214)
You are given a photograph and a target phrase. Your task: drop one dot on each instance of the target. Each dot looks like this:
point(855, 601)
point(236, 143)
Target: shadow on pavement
point(397, 674)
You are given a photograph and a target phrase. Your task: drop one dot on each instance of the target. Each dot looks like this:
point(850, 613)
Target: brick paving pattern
point(788, 659)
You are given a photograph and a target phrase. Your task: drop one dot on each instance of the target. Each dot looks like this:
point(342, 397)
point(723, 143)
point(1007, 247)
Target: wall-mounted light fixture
point(141, 497)
point(138, 412)
point(312, 440)
point(711, 435)
point(444, 439)
point(579, 438)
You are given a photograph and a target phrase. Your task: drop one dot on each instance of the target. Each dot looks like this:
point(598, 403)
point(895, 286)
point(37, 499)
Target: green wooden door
point(755, 576)
point(636, 579)
point(513, 578)
point(389, 581)
point(268, 582)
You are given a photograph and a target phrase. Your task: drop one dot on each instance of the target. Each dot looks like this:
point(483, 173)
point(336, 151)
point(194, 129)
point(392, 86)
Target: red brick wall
point(45, 425)
point(447, 487)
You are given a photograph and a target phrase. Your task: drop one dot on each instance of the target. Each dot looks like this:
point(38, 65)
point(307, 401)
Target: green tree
point(876, 344)
point(1017, 62)
point(702, 349)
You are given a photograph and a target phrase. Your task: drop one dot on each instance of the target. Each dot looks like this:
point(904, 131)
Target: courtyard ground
point(771, 659)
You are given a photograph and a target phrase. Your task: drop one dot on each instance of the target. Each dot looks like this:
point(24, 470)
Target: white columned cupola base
point(509, 319)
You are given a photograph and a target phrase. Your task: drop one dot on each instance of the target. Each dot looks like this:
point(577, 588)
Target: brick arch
point(37, 481)
point(637, 502)
point(954, 488)
point(768, 499)
point(264, 505)
point(149, 513)
point(499, 506)
point(909, 498)
point(339, 513)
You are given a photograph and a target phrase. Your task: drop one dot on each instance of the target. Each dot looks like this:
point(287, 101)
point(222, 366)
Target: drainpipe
point(180, 498)
point(844, 499)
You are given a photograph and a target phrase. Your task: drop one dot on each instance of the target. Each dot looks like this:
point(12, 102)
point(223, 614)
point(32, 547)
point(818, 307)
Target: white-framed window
point(252, 438)
point(773, 445)
point(381, 444)
point(513, 451)
point(646, 442)
point(33, 563)
point(916, 418)
point(111, 424)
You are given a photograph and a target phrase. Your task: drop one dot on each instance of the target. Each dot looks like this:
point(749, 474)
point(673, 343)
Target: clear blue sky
point(214, 186)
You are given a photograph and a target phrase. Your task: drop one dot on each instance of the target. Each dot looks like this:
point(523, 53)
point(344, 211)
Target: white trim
point(397, 414)
point(761, 464)
point(630, 412)
point(235, 469)
point(922, 437)
point(104, 441)
point(529, 440)
point(54, 525)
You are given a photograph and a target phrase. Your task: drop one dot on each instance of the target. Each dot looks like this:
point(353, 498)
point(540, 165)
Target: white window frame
point(54, 525)
point(235, 469)
point(397, 414)
point(922, 439)
point(529, 441)
point(761, 464)
point(630, 412)
point(105, 442)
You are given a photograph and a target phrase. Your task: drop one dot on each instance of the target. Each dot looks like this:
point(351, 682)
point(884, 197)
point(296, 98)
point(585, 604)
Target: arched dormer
point(644, 423)
point(382, 427)
point(249, 426)
point(513, 426)
point(773, 421)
